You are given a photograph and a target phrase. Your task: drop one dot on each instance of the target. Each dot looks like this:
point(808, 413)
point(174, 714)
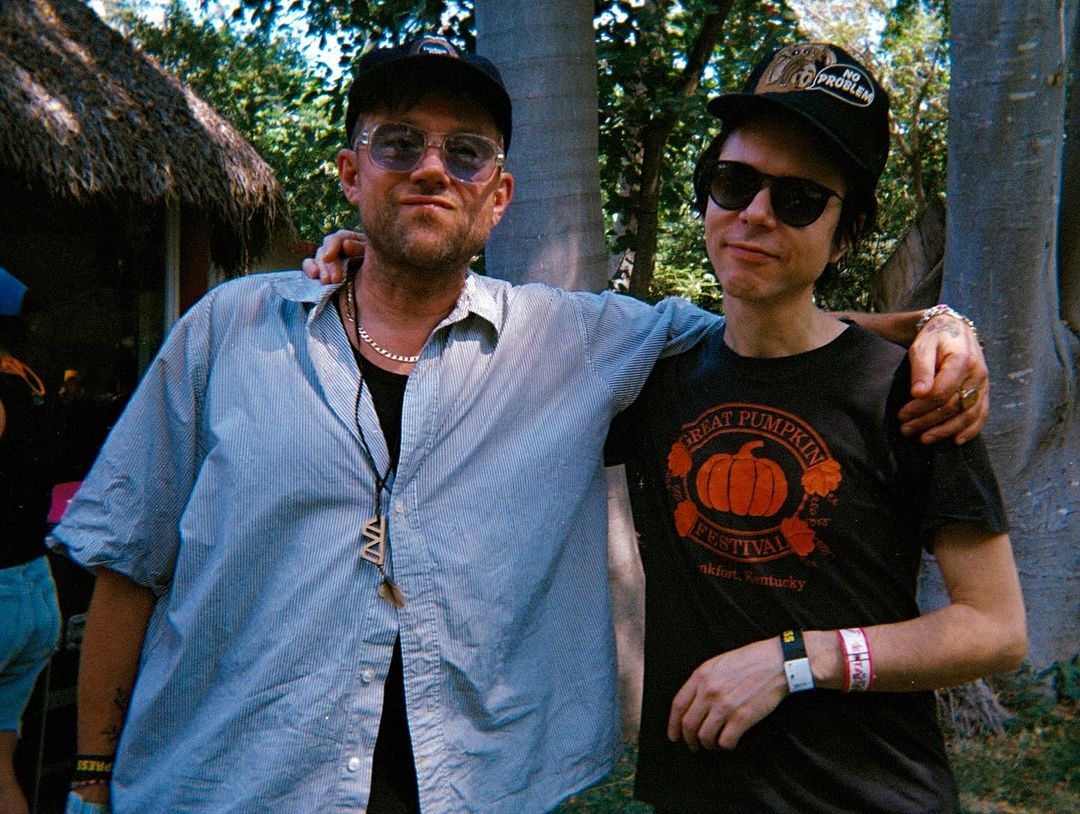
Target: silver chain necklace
point(350, 313)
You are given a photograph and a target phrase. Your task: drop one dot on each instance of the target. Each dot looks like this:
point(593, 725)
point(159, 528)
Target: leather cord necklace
point(373, 535)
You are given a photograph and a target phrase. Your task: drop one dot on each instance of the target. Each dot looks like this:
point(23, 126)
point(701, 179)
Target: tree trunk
point(1069, 233)
point(553, 231)
point(1006, 128)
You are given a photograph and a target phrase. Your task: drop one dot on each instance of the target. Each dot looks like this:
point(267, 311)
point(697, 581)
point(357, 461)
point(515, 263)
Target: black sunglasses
point(796, 201)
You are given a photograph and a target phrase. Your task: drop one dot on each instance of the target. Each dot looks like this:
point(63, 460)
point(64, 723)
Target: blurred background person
point(29, 433)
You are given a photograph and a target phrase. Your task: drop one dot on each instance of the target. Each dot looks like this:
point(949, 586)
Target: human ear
point(840, 246)
point(348, 167)
point(504, 191)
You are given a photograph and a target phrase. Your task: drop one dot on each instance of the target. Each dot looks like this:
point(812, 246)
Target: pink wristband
point(859, 664)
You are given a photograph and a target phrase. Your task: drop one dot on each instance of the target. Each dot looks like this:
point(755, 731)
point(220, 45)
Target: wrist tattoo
point(949, 326)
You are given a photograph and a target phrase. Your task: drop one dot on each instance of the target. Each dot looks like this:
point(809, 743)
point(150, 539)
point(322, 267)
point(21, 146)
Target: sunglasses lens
point(468, 157)
point(795, 201)
point(396, 147)
point(399, 148)
point(735, 185)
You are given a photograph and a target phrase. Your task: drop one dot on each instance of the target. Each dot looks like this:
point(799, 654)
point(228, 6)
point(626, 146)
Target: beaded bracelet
point(92, 781)
point(941, 309)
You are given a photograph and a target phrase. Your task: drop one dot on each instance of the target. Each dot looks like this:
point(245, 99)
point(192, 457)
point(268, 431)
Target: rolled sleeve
point(126, 514)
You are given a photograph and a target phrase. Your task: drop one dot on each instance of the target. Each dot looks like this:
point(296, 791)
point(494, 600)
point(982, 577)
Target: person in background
point(350, 540)
point(783, 514)
point(28, 603)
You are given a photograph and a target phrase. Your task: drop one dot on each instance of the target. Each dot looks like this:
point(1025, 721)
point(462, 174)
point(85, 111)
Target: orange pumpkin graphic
point(679, 461)
point(798, 535)
point(685, 516)
point(742, 484)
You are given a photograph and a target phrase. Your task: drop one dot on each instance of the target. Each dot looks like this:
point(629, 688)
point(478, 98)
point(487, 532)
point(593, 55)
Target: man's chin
point(435, 258)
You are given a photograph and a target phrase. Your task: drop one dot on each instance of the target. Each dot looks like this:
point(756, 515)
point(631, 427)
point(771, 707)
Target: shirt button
point(367, 677)
point(354, 764)
point(399, 506)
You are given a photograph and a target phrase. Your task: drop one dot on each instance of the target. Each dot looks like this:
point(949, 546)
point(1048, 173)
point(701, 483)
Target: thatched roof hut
point(87, 117)
point(123, 196)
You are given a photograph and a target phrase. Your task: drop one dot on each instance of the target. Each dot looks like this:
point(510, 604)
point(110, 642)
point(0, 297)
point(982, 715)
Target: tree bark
point(1069, 232)
point(553, 231)
point(1006, 129)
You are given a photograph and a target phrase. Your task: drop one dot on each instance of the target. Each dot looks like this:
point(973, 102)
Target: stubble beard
point(423, 244)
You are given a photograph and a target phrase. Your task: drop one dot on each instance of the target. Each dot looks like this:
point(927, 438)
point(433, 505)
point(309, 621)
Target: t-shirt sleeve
point(947, 483)
point(627, 426)
point(126, 515)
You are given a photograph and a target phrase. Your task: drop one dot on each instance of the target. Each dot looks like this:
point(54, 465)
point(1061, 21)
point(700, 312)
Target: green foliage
point(1036, 696)
point(1035, 769)
point(1026, 694)
point(642, 49)
point(1065, 679)
point(264, 86)
point(612, 795)
point(356, 25)
point(911, 60)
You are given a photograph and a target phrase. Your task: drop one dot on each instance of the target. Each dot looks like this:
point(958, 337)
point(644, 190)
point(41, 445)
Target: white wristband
point(799, 675)
point(858, 661)
point(796, 664)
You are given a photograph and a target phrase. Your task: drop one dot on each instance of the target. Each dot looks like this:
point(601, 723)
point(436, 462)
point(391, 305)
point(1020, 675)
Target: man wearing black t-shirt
point(783, 514)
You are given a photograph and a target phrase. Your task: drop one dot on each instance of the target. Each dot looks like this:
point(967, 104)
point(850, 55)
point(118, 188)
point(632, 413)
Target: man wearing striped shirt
point(351, 539)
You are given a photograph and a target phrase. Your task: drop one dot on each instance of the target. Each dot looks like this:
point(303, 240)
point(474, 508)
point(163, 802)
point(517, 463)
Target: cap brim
point(731, 108)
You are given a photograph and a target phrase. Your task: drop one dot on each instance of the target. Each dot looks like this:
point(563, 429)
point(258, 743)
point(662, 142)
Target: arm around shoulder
point(949, 377)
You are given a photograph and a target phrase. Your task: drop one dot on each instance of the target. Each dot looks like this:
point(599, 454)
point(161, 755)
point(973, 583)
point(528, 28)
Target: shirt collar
point(475, 298)
point(478, 298)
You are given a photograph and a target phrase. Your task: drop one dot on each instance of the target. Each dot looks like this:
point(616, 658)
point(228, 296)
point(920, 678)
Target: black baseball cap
point(428, 62)
point(826, 87)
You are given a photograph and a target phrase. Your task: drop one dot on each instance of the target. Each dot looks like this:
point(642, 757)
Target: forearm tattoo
point(120, 702)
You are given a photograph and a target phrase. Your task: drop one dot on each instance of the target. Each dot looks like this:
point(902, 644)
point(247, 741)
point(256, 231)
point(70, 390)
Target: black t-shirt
point(393, 774)
point(774, 494)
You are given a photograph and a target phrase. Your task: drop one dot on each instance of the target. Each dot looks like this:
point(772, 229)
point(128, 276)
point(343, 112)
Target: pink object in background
point(62, 494)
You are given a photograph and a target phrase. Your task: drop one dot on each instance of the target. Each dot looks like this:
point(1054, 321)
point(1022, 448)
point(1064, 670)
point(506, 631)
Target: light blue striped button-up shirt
point(236, 486)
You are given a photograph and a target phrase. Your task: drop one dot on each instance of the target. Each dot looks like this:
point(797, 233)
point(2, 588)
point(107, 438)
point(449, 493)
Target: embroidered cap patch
point(815, 66)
